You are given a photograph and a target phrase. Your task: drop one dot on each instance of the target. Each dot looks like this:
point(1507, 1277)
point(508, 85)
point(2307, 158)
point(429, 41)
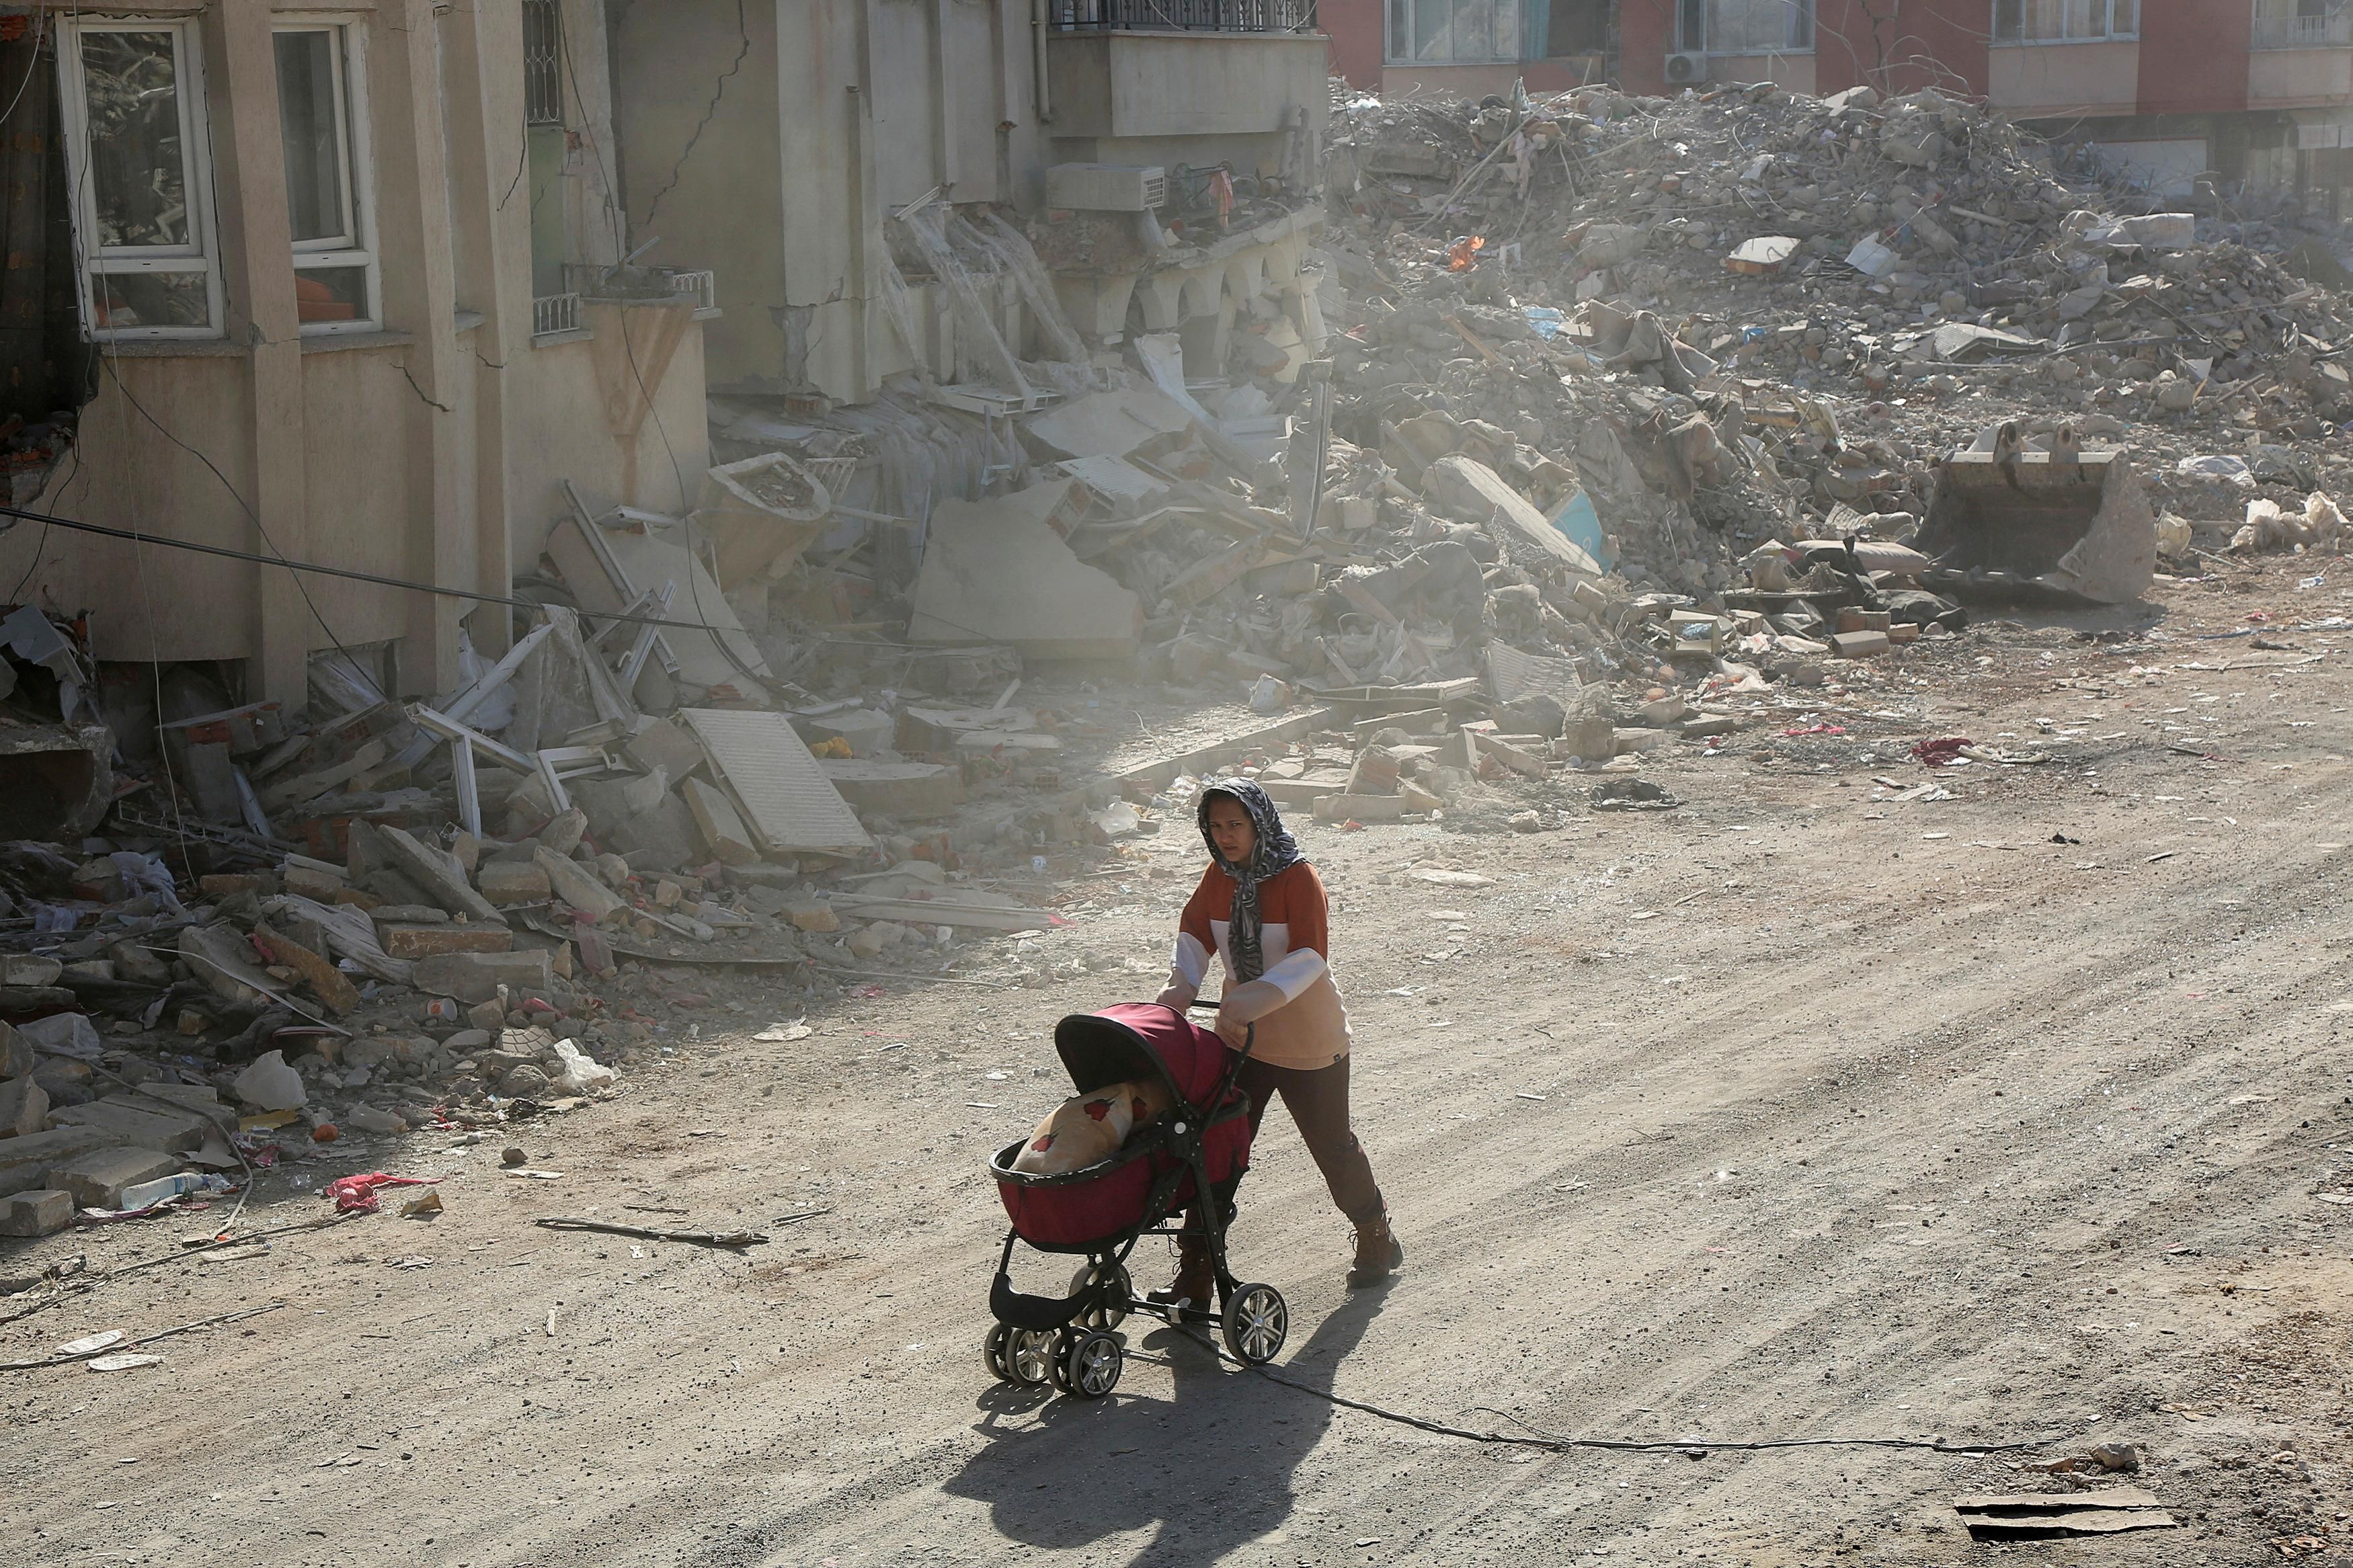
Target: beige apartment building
point(338, 283)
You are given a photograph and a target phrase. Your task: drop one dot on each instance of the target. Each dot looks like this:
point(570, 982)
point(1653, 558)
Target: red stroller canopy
point(1141, 1039)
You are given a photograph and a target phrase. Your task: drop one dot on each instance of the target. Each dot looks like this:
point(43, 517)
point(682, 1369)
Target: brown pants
point(1317, 1098)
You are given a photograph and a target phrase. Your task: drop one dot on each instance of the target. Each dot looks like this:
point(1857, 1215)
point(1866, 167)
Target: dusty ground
point(1792, 1113)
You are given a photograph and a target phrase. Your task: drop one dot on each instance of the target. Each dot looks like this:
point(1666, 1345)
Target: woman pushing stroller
point(1262, 911)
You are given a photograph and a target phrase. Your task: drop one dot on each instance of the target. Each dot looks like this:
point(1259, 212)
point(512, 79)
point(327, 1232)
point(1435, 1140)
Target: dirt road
point(1792, 1113)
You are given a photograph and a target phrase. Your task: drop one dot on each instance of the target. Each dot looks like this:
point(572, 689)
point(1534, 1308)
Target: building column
point(484, 281)
point(413, 227)
point(249, 186)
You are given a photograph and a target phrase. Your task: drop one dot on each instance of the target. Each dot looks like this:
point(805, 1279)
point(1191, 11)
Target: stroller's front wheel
point(1256, 1323)
point(1091, 1367)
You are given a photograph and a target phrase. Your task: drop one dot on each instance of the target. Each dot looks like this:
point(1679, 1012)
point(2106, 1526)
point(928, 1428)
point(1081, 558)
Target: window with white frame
point(1443, 32)
point(322, 118)
point(2065, 21)
point(1744, 26)
point(138, 156)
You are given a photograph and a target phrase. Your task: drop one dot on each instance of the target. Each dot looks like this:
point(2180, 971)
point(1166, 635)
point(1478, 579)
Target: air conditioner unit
point(1686, 69)
point(2312, 138)
point(1105, 187)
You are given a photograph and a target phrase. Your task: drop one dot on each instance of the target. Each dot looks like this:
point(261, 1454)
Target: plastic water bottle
point(147, 1194)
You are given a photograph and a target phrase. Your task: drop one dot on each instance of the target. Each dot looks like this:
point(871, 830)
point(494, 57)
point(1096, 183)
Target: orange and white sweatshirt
point(1309, 1030)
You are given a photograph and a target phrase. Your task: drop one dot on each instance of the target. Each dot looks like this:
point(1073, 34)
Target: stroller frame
point(1070, 1341)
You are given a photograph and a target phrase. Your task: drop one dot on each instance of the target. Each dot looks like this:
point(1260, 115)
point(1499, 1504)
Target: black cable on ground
point(1554, 1443)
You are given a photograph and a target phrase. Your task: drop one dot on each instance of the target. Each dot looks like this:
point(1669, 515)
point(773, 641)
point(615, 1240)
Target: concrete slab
point(996, 571)
point(1470, 492)
point(95, 1180)
point(45, 1211)
point(24, 1162)
point(897, 789)
point(153, 1125)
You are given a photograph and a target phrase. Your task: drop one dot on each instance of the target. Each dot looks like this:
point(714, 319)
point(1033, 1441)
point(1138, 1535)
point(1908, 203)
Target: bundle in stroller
point(1197, 1151)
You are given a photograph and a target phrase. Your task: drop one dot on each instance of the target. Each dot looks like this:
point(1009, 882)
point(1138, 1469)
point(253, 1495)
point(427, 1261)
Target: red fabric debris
point(356, 1194)
point(1942, 753)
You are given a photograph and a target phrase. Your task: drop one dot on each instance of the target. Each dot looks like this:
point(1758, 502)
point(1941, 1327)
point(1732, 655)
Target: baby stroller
point(1194, 1154)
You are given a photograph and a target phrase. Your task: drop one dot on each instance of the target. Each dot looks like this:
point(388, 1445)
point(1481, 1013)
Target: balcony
point(2278, 28)
point(2302, 56)
point(1181, 15)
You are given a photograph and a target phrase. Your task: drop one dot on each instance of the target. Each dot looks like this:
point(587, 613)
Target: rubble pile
point(1844, 288)
point(1604, 428)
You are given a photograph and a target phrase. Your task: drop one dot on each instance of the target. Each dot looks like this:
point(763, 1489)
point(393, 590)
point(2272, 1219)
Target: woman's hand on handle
point(1177, 996)
point(1243, 1006)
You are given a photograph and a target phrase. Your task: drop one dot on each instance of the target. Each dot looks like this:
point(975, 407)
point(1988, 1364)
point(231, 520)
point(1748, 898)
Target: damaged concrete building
point(340, 285)
point(824, 156)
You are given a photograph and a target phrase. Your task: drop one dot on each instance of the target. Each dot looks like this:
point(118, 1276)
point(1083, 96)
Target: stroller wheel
point(1091, 1367)
point(1028, 1353)
point(1257, 1323)
point(1121, 1289)
point(992, 1351)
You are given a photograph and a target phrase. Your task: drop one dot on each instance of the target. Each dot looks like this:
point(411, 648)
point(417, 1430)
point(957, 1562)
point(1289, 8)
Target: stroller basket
point(1079, 1211)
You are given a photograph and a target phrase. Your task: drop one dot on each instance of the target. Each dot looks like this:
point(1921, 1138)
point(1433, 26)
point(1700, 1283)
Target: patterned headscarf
point(1276, 851)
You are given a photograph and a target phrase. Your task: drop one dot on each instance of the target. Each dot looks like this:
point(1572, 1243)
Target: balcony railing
point(553, 313)
point(1182, 15)
point(643, 285)
point(2276, 31)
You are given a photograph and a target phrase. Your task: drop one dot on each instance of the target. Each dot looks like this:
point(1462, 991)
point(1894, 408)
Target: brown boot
point(1196, 1281)
point(1378, 1253)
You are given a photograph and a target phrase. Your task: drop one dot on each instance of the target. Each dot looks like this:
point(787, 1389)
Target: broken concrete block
point(473, 977)
point(426, 941)
point(718, 822)
point(24, 1160)
point(1590, 737)
point(95, 1180)
point(1625, 740)
point(196, 1099)
point(439, 874)
point(564, 831)
point(1470, 492)
point(864, 943)
point(222, 959)
point(812, 915)
point(153, 1125)
point(24, 1107)
point(45, 1211)
point(573, 883)
point(996, 571)
point(664, 746)
point(312, 882)
point(1858, 645)
point(17, 1056)
point(1708, 726)
point(1532, 763)
point(1360, 807)
point(29, 969)
point(897, 789)
point(65, 1081)
point(267, 1083)
point(487, 1015)
point(507, 883)
point(333, 989)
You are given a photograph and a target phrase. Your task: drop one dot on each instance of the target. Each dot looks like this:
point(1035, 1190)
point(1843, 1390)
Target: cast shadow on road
point(1208, 1470)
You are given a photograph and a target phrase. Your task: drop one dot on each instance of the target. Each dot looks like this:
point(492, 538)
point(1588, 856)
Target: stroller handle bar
point(1250, 1038)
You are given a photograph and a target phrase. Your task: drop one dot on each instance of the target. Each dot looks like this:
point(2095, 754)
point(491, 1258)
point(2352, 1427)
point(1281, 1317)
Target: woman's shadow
point(1206, 1469)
